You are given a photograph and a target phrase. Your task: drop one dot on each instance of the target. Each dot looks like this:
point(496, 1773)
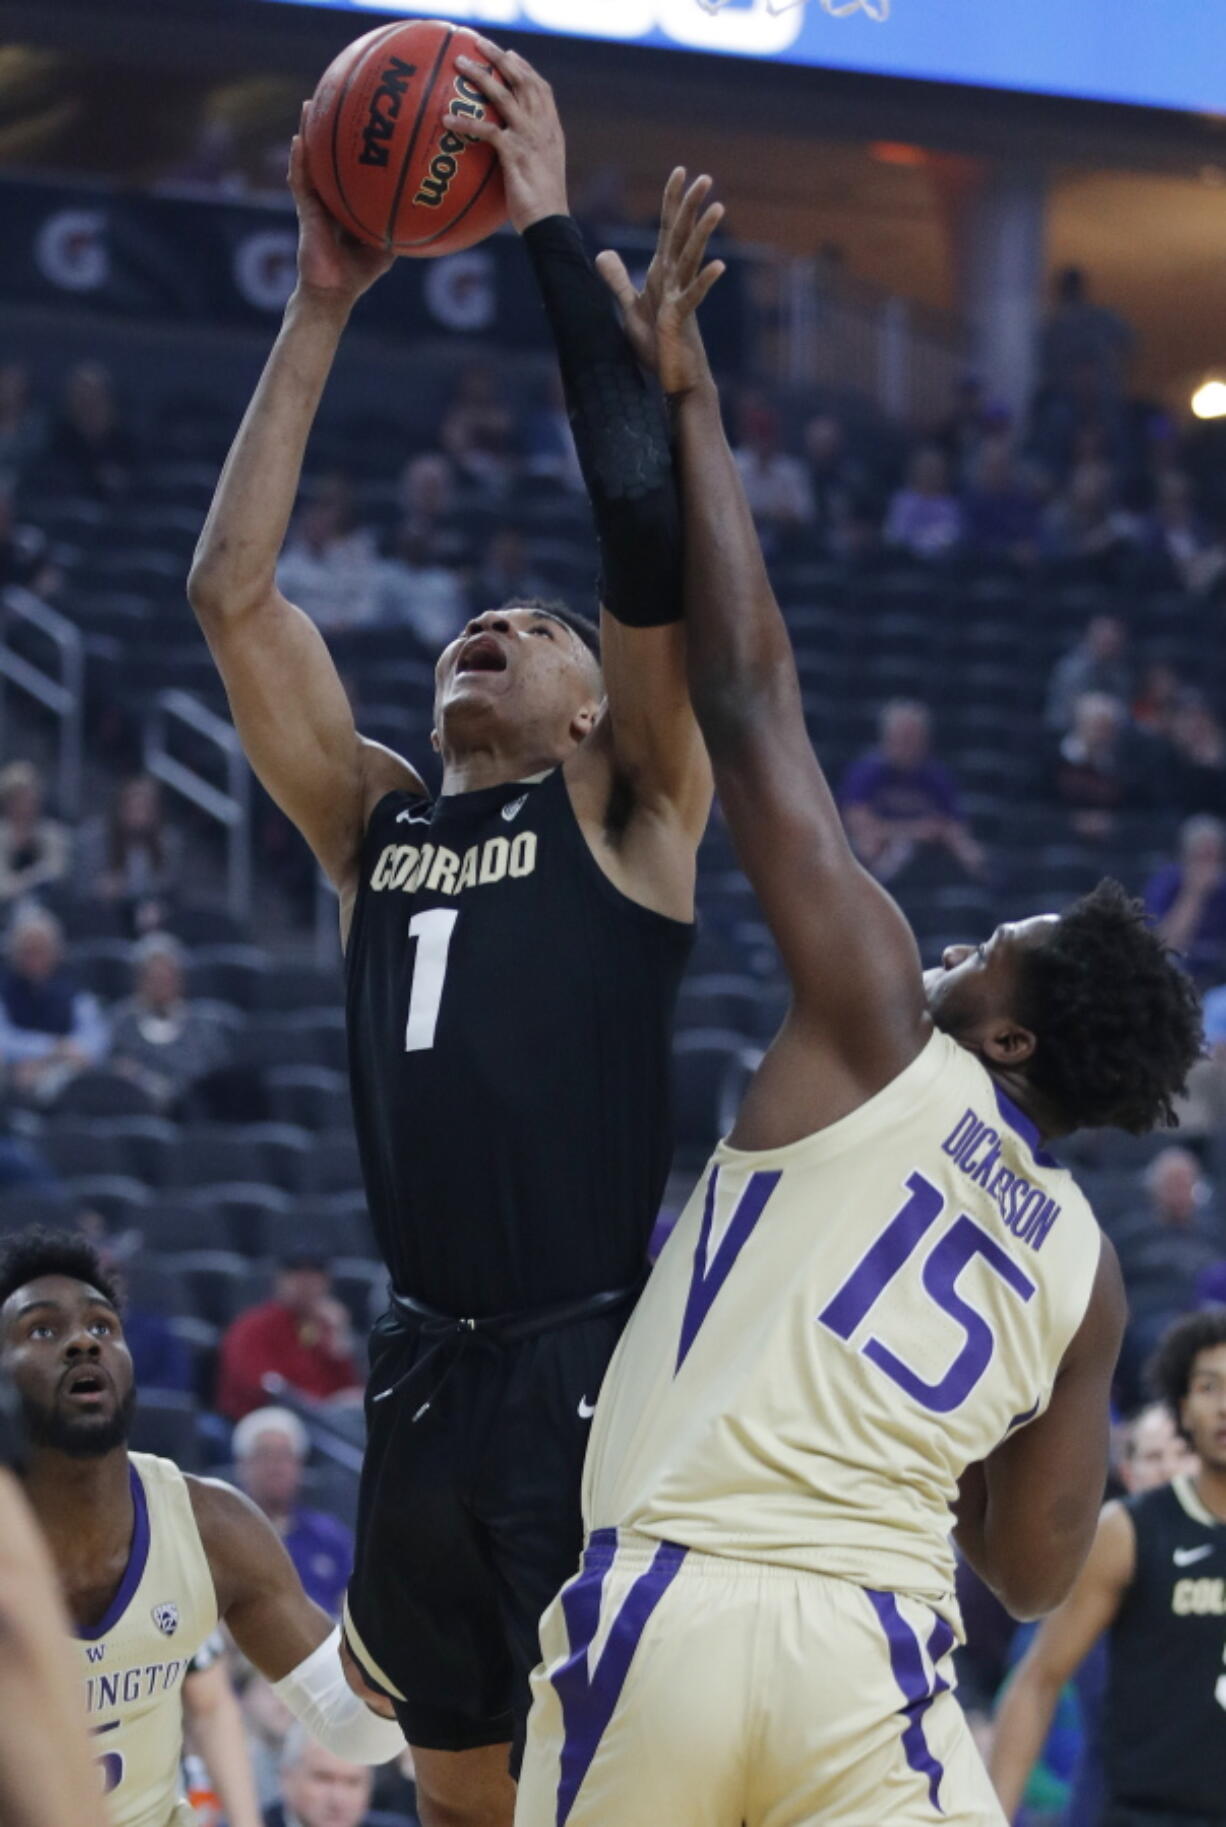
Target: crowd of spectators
point(1088, 486)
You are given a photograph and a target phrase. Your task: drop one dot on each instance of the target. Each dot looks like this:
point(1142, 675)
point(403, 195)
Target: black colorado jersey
point(510, 1016)
point(1164, 1737)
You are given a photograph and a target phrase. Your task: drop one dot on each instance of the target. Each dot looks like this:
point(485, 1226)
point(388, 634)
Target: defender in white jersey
point(886, 1314)
point(150, 1560)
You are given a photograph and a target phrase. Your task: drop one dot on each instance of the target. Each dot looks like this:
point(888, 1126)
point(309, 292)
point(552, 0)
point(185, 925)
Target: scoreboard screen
point(1155, 53)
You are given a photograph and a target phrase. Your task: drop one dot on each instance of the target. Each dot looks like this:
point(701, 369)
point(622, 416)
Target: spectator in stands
point(924, 519)
point(21, 1163)
point(268, 1721)
point(23, 427)
point(33, 848)
point(427, 496)
point(270, 1452)
point(1198, 751)
point(23, 552)
point(158, 1038)
point(49, 1028)
point(505, 572)
point(1001, 512)
point(302, 1336)
point(776, 484)
point(1093, 773)
point(329, 567)
point(834, 477)
point(901, 806)
point(319, 1789)
point(963, 428)
point(1173, 537)
point(1165, 1248)
point(131, 857)
point(1158, 698)
point(1098, 663)
point(1080, 337)
point(477, 430)
point(1084, 523)
point(1187, 899)
point(415, 592)
point(548, 443)
point(92, 447)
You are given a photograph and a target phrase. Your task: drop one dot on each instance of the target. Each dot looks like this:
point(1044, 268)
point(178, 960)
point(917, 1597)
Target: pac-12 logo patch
point(166, 1617)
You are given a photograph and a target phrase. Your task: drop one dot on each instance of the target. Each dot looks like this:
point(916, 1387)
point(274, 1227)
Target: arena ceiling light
point(1209, 400)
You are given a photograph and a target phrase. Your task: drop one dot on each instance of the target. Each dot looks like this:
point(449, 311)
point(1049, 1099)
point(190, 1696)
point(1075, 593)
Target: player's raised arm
point(288, 702)
point(1059, 1648)
point(852, 960)
point(622, 434)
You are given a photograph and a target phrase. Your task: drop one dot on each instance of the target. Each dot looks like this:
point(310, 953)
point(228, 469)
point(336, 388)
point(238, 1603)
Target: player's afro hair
point(35, 1252)
point(1170, 1369)
point(558, 611)
point(1118, 1023)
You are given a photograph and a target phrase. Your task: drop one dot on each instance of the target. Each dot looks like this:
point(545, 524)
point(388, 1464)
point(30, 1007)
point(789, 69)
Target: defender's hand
point(530, 145)
point(660, 320)
point(332, 265)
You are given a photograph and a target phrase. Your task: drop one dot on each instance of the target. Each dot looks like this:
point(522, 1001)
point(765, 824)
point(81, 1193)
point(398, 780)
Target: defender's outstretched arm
point(288, 702)
point(850, 955)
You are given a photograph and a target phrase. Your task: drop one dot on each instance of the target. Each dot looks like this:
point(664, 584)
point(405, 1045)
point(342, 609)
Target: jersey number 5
point(948, 1257)
point(432, 931)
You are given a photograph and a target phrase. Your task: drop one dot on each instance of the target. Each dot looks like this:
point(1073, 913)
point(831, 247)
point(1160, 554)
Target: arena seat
point(220, 1284)
point(118, 1197)
point(99, 1093)
point(165, 1424)
point(243, 1214)
point(313, 1097)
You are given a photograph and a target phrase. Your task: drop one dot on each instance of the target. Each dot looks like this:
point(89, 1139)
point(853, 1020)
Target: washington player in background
point(149, 1560)
point(886, 1311)
point(1155, 1582)
point(513, 951)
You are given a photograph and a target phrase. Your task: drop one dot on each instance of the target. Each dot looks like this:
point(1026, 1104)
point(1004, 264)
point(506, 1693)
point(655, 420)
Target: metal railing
point(837, 332)
point(62, 694)
point(229, 807)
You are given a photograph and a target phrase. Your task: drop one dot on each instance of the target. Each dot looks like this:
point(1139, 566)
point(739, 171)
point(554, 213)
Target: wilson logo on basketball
point(385, 111)
point(451, 148)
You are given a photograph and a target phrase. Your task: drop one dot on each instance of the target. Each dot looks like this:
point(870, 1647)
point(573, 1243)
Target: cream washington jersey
point(135, 1657)
point(837, 1328)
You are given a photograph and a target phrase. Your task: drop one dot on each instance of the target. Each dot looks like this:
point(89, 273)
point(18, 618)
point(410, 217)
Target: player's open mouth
point(483, 653)
point(86, 1386)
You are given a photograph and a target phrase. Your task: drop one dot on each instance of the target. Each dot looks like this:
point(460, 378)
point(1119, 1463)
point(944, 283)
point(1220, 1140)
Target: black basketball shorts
point(469, 1520)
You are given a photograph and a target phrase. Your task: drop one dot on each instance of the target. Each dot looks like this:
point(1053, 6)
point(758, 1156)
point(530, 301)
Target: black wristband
point(621, 426)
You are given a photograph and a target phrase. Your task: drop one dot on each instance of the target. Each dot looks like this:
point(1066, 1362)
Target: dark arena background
point(971, 344)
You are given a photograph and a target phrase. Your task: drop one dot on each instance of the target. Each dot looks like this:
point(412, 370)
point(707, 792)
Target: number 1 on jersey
point(432, 931)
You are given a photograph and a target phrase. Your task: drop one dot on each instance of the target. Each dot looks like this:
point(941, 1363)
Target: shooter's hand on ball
point(333, 267)
point(530, 146)
point(660, 320)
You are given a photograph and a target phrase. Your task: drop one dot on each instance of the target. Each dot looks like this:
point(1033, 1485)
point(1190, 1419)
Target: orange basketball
point(380, 153)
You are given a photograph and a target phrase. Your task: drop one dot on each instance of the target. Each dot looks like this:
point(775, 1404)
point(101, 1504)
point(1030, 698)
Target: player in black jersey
point(513, 952)
point(1156, 1582)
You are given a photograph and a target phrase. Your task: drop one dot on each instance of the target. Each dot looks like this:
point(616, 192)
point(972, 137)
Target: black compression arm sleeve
point(620, 421)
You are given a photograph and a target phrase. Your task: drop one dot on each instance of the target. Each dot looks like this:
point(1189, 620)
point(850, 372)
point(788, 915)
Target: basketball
point(380, 154)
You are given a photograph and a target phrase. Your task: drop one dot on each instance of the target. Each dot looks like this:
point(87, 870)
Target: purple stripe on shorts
point(589, 1696)
point(907, 1662)
point(707, 1277)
